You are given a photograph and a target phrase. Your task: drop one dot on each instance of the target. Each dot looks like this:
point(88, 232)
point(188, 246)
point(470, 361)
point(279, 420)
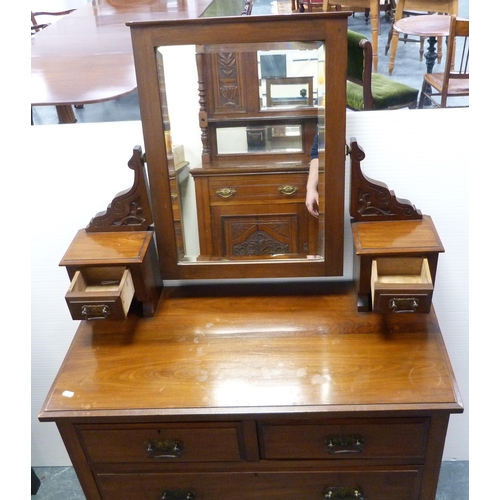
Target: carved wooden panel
point(252, 231)
point(228, 83)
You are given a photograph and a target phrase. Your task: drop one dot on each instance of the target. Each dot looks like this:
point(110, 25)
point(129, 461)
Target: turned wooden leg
point(66, 114)
point(394, 48)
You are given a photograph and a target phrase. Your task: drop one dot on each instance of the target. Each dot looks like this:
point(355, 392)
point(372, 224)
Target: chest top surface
point(238, 353)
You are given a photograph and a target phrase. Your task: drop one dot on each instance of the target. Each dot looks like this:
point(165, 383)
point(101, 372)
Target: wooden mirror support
point(372, 200)
point(130, 210)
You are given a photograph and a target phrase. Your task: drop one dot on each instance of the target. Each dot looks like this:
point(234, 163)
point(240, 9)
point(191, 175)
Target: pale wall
point(419, 154)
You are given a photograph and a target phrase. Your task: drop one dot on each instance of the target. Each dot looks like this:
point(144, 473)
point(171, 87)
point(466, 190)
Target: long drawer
point(363, 438)
point(368, 484)
point(280, 188)
point(207, 442)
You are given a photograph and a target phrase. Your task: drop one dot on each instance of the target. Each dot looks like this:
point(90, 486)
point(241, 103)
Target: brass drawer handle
point(178, 495)
point(351, 443)
point(348, 492)
point(288, 190)
point(226, 192)
point(404, 305)
point(95, 311)
point(168, 448)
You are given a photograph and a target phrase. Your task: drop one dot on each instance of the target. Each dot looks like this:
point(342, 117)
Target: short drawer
point(401, 285)
point(100, 293)
point(171, 443)
point(257, 188)
point(369, 484)
point(382, 438)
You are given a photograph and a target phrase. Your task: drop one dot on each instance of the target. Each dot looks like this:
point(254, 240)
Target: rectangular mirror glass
point(240, 117)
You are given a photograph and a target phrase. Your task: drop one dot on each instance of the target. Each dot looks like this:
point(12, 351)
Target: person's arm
point(312, 202)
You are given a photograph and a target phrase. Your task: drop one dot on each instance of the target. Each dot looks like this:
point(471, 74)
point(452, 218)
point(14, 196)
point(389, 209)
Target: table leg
point(430, 59)
point(66, 114)
point(430, 55)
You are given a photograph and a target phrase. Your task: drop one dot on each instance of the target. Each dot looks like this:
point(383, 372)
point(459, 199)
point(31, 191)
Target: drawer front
point(410, 301)
point(373, 484)
point(401, 285)
point(165, 443)
point(387, 438)
point(100, 293)
point(279, 188)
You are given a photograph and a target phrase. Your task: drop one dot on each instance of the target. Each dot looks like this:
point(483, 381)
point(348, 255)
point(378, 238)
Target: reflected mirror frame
point(329, 28)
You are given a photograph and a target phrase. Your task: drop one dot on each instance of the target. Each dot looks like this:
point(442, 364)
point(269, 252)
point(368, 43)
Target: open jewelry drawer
point(401, 285)
point(100, 293)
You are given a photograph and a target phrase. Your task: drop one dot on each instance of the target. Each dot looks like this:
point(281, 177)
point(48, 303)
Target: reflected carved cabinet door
point(247, 213)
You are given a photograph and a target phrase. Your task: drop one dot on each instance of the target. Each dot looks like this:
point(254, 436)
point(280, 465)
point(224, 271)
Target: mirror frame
point(331, 29)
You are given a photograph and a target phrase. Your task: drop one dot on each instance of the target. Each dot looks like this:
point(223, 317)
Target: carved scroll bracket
point(372, 200)
point(130, 210)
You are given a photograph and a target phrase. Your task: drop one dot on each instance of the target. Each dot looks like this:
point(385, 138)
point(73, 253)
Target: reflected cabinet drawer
point(370, 484)
point(100, 293)
point(401, 285)
point(375, 438)
point(156, 443)
point(257, 188)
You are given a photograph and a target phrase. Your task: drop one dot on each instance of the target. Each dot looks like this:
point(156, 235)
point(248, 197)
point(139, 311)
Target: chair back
point(359, 64)
point(428, 6)
point(457, 58)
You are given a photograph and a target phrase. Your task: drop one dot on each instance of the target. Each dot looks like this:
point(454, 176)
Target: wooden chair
point(454, 81)
point(372, 91)
point(415, 7)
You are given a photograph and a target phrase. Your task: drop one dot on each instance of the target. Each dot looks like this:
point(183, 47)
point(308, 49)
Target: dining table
point(430, 26)
point(86, 56)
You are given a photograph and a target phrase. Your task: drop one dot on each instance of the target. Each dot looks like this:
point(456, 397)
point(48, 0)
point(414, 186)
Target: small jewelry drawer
point(100, 293)
point(388, 438)
point(401, 285)
point(164, 443)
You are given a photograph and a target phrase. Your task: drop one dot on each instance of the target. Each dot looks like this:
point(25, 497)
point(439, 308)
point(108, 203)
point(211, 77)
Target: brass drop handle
point(347, 443)
point(178, 495)
point(168, 448)
point(226, 192)
point(95, 311)
point(345, 492)
point(288, 190)
point(404, 305)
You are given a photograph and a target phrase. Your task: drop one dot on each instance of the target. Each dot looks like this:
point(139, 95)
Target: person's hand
point(312, 203)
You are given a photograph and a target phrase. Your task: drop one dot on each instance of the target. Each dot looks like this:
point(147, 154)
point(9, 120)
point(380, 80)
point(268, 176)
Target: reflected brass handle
point(347, 492)
point(225, 192)
point(288, 190)
point(177, 495)
point(350, 443)
point(403, 305)
point(95, 311)
point(169, 448)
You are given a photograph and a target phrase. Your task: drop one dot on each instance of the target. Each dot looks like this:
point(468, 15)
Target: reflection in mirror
point(290, 77)
point(259, 139)
point(238, 183)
